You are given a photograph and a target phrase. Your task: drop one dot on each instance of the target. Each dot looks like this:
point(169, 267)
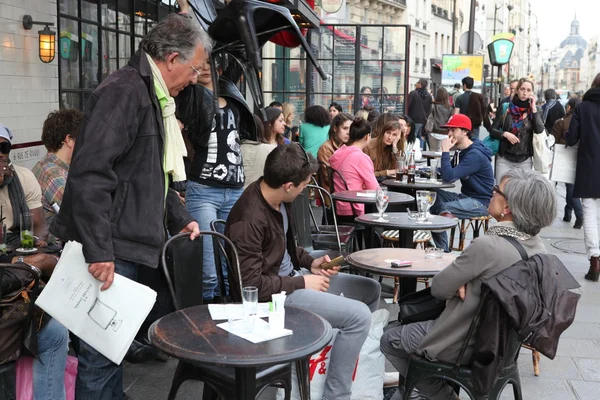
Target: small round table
point(368, 197)
point(420, 185)
point(377, 261)
point(429, 155)
point(192, 336)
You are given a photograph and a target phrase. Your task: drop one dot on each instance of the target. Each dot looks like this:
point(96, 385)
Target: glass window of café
point(97, 37)
point(354, 57)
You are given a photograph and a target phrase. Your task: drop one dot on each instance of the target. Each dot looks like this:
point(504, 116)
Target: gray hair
point(531, 199)
point(176, 34)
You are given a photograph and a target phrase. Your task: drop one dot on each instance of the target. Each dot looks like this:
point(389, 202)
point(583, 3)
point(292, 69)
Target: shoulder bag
point(419, 306)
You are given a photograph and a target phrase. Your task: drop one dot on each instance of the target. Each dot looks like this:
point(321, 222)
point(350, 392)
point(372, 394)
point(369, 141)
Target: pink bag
point(25, 378)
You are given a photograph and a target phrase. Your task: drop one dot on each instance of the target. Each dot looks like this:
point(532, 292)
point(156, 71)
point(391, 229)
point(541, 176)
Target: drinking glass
point(381, 201)
point(27, 230)
point(422, 203)
point(250, 300)
point(431, 200)
point(434, 167)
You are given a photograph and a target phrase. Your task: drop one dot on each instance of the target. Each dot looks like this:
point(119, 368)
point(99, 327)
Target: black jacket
point(521, 151)
point(114, 199)
point(585, 129)
point(554, 114)
point(419, 107)
point(531, 297)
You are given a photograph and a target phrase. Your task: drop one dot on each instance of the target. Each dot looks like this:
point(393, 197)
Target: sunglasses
point(306, 159)
point(5, 147)
point(496, 189)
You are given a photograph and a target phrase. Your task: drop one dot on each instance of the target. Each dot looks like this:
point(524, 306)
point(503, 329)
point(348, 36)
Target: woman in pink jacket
point(356, 167)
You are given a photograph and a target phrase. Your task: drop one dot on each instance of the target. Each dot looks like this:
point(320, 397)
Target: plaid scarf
point(516, 113)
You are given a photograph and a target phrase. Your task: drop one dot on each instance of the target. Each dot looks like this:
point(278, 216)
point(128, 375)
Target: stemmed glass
point(431, 200)
point(381, 201)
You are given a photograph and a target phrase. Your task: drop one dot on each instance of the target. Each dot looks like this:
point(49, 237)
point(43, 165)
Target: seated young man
point(472, 165)
point(260, 224)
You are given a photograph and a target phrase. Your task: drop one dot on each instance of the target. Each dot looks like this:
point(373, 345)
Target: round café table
point(429, 155)
point(404, 187)
point(367, 197)
point(377, 261)
point(192, 336)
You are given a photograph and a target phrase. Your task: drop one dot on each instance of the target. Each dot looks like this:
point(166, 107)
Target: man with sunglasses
point(472, 165)
point(20, 193)
point(261, 226)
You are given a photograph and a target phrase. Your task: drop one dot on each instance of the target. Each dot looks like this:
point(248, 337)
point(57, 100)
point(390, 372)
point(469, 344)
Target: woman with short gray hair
point(523, 204)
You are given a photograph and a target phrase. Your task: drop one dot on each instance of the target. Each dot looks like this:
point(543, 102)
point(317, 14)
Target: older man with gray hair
point(116, 201)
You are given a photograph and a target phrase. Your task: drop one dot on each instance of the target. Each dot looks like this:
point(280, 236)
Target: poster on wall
point(456, 67)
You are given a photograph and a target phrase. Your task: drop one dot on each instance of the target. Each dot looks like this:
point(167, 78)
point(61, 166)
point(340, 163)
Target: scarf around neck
point(516, 109)
point(550, 104)
point(174, 149)
point(503, 230)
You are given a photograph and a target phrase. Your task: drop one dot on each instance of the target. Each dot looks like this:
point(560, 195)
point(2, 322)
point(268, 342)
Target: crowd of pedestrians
point(108, 183)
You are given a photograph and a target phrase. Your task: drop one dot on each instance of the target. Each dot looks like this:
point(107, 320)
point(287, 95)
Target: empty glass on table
point(381, 201)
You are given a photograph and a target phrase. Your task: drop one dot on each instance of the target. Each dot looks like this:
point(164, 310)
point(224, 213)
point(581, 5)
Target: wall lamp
point(47, 38)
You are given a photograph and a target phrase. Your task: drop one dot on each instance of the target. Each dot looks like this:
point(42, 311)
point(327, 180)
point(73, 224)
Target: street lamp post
point(496, 8)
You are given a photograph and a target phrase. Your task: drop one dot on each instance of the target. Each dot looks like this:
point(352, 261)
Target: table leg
point(407, 285)
point(405, 241)
point(303, 379)
point(245, 383)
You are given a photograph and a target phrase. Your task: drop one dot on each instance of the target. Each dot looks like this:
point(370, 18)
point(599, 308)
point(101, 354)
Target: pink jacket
point(357, 169)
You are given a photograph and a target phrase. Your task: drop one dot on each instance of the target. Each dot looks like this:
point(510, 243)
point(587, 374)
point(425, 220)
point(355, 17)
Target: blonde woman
point(289, 114)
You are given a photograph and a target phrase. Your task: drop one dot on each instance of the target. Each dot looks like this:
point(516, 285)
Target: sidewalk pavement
point(573, 375)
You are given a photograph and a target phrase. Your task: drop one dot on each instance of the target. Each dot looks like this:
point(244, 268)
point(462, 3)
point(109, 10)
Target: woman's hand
point(511, 138)
point(391, 172)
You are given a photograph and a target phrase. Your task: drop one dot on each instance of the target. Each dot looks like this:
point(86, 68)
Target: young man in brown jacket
point(261, 226)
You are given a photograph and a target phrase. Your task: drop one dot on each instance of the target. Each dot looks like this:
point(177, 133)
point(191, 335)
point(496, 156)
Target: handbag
point(430, 120)
point(542, 156)
point(419, 306)
point(493, 143)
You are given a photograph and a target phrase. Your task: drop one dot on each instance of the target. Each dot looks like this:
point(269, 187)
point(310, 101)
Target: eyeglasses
point(306, 159)
point(496, 189)
point(195, 70)
point(5, 147)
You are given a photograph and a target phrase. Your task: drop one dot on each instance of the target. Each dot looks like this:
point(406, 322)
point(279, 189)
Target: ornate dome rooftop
point(574, 39)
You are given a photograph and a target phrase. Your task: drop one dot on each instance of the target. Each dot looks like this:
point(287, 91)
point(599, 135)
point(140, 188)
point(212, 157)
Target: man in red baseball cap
point(472, 165)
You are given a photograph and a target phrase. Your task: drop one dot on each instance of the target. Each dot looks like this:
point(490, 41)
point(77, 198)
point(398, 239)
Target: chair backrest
point(205, 12)
point(322, 194)
point(218, 225)
point(301, 220)
point(181, 261)
point(332, 173)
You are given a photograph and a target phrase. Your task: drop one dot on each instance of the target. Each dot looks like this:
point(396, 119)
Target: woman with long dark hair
point(477, 112)
point(339, 134)
point(515, 128)
point(255, 152)
point(409, 137)
point(384, 150)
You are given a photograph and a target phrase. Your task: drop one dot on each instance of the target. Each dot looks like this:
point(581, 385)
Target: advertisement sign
point(457, 67)
point(500, 51)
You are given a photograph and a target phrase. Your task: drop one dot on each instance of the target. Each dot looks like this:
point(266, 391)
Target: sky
point(555, 17)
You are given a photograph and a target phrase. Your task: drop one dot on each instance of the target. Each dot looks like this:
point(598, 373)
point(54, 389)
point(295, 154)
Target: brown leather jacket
point(325, 152)
point(256, 229)
point(561, 127)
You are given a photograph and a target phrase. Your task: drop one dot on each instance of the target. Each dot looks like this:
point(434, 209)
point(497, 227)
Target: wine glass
point(381, 201)
point(431, 200)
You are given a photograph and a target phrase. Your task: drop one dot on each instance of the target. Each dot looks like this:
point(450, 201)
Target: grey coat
point(484, 258)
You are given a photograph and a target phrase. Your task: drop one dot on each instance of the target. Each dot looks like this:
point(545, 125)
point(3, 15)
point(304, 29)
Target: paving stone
point(582, 330)
point(578, 348)
point(589, 368)
point(587, 313)
point(586, 390)
point(539, 388)
point(559, 368)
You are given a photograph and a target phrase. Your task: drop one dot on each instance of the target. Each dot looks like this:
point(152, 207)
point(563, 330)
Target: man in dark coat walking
point(419, 107)
point(585, 129)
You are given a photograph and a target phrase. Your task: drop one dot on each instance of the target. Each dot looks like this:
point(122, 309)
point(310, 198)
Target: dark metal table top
point(434, 154)
point(378, 261)
point(352, 196)
point(191, 335)
point(400, 220)
point(420, 185)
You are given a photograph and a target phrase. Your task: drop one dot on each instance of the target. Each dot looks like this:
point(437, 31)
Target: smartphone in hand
point(333, 263)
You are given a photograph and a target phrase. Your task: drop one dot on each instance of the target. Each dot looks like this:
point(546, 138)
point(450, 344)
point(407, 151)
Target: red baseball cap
point(459, 121)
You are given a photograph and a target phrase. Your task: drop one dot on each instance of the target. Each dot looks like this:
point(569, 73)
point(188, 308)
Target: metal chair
point(461, 375)
point(180, 262)
point(327, 208)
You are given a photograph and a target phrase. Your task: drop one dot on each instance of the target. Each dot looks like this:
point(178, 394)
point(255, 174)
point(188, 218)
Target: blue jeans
point(98, 378)
point(207, 203)
point(49, 371)
point(475, 133)
point(460, 206)
point(573, 203)
point(418, 131)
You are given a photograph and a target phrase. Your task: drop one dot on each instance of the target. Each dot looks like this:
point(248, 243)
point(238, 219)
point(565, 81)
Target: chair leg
point(451, 242)
point(535, 356)
point(208, 393)
point(303, 379)
point(517, 393)
point(396, 289)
